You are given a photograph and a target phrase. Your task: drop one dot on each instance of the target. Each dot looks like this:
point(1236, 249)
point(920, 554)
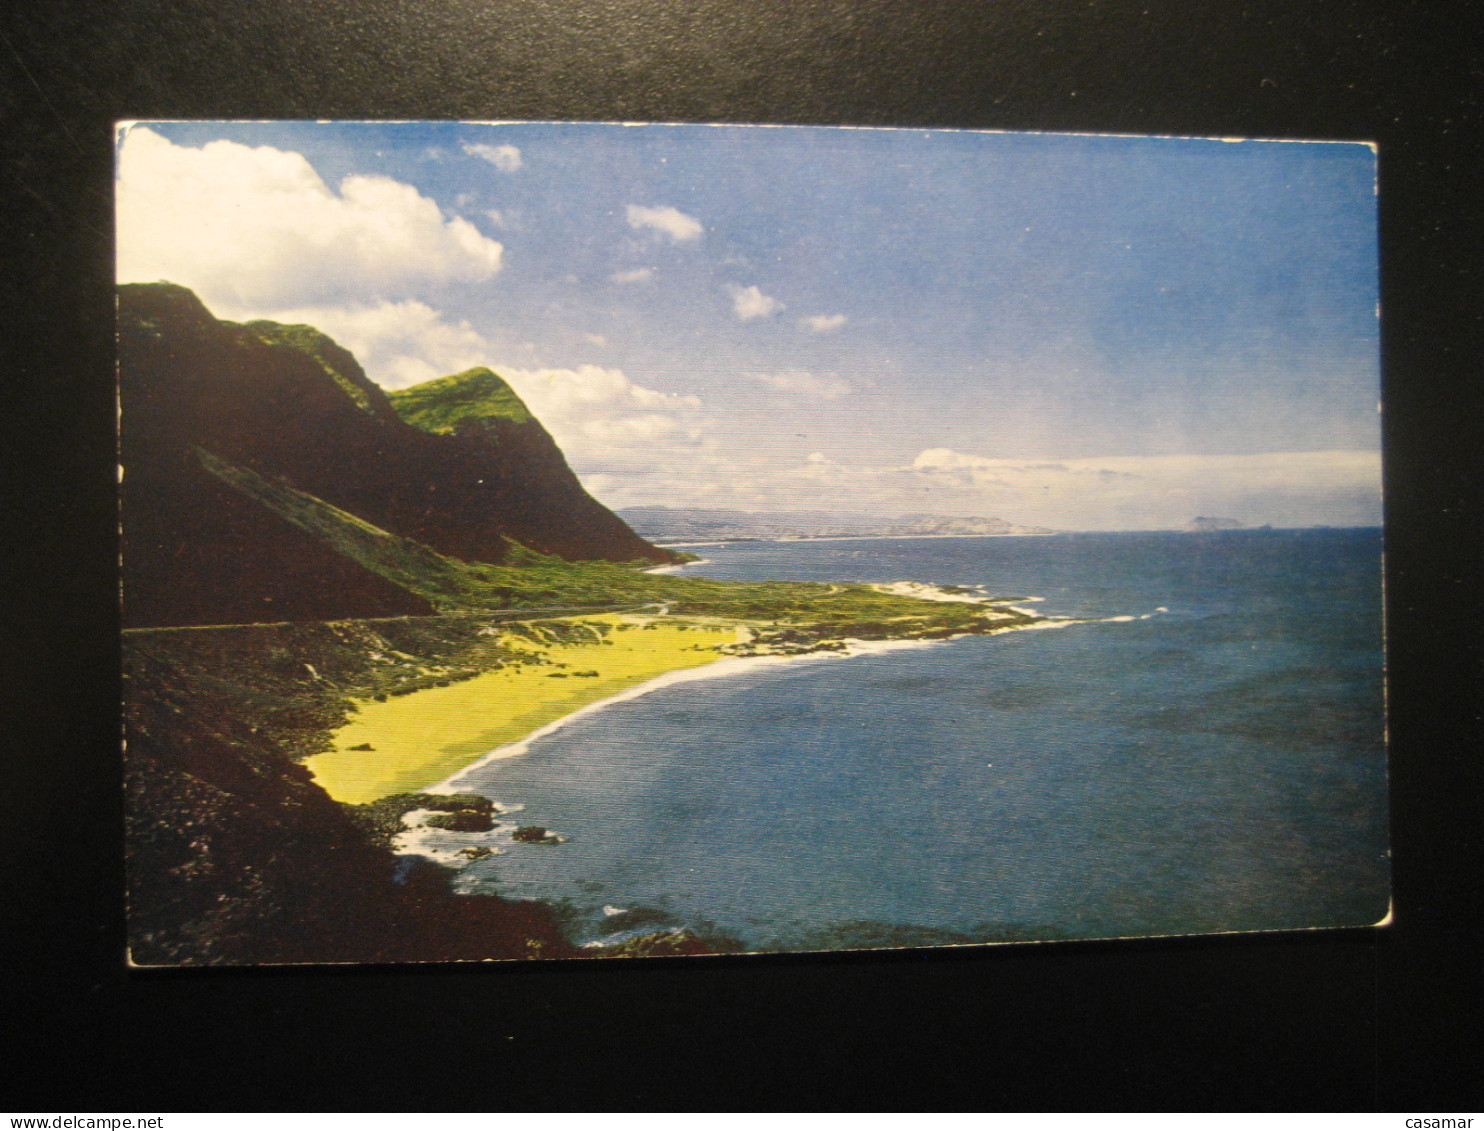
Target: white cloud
point(506, 158)
point(637, 275)
point(397, 343)
point(823, 323)
point(1124, 492)
point(714, 476)
point(563, 393)
point(749, 303)
point(825, 471)
point(251, 229)
point(617, 434)
point(671, 221)
point(604, 422)
point(1153, 492)
point(1256, 469)
point(802, 381)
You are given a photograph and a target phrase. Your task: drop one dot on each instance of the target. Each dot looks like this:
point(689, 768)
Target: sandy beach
point(416, 740)
point(426, 741)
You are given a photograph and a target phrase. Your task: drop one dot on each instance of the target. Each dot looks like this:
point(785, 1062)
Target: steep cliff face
point(469, 472)
point(235, 855)
point(198, 552)
point(506, 476)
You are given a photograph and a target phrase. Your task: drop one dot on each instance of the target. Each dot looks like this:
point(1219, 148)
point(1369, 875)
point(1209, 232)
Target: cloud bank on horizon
point(1066, 331)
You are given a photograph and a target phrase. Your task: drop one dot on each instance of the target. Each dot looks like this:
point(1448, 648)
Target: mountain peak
point(455, 467)
point(475, 395)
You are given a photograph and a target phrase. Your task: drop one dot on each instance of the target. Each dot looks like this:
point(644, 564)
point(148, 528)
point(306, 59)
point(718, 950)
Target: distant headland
point(699, 524)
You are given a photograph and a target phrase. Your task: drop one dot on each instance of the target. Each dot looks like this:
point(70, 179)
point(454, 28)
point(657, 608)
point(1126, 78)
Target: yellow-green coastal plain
point(419, 739)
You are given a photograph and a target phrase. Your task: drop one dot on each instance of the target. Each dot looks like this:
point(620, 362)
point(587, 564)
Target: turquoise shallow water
point(1218, 766)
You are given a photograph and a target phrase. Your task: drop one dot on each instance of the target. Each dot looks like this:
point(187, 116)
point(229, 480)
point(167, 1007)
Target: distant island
point(662, 525)
point(1204, 525)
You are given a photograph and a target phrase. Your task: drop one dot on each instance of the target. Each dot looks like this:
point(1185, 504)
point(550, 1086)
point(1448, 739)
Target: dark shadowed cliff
point(235, 855)
point(468, 471)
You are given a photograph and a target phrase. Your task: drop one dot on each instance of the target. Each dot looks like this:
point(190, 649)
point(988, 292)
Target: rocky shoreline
point(236, 856)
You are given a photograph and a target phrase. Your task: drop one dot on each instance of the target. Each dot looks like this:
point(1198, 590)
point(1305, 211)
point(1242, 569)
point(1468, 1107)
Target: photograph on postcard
point(561, 540)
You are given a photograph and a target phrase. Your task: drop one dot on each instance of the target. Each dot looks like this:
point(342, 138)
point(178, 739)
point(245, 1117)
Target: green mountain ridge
point(337, 362)
point(257, 490)
point(445, 404)
point(457, 466)
point(429, 535)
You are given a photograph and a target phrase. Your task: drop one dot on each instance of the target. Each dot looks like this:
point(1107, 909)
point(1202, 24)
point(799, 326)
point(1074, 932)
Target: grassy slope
point(441, 405)
point(336, 361)
point(528, 580)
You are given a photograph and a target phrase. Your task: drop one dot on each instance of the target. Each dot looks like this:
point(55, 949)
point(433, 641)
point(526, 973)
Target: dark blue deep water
point(1219, 766)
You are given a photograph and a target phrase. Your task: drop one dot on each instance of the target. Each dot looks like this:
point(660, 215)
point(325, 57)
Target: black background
point(1326, 1020)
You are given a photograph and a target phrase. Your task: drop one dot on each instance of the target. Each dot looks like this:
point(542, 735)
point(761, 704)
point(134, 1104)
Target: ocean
point(1205, 753)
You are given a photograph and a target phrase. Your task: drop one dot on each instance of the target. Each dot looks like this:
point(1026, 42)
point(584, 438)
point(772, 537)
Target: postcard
point(583, 540)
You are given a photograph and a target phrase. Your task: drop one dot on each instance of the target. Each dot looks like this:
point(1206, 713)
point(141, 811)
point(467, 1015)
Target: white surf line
point(1064, 622)
point(678, 566)
point(446, 846)
point(730, 665)
point(1142, 616)
point(925, 591)
point(736, 665)
point(794, 540)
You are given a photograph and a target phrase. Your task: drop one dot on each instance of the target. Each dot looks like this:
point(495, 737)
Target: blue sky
point(1074, 331)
